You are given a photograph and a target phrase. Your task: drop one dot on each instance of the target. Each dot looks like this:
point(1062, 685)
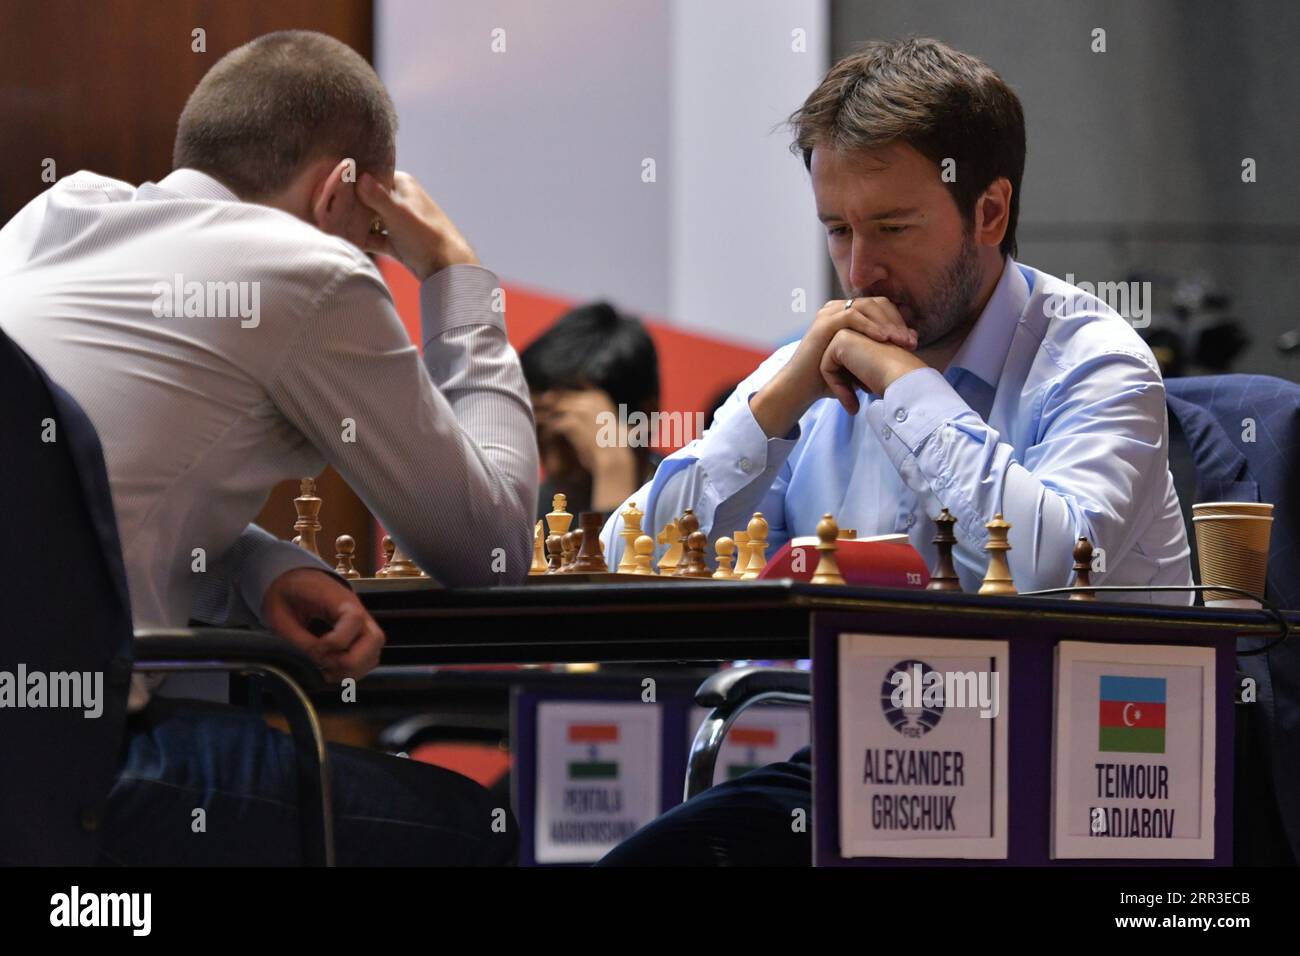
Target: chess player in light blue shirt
point(949, 376)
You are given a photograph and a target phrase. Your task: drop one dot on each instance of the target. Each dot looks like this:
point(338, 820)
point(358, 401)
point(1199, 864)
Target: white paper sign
point(761, 735)
point(1133, 752)
point(598, 777)
point(923, 747)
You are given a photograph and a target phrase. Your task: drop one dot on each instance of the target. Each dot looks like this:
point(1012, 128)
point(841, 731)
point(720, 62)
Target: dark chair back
point(1241, 436)
point(1243, 432)
point(66, 611)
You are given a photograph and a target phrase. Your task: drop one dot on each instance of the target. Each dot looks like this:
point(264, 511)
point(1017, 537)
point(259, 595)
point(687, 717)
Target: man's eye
point(893, 230)
point(837, 231)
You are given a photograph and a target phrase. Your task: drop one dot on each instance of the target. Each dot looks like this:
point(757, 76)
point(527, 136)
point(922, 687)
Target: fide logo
point(903, 700)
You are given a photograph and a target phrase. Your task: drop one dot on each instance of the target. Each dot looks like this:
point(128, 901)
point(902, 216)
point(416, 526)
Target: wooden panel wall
point(99, 85)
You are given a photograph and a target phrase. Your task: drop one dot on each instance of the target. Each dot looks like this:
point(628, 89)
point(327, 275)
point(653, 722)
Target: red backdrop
point(692, 368)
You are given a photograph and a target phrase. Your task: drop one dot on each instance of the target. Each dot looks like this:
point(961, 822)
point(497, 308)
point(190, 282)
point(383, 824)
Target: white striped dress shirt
point(282, 352)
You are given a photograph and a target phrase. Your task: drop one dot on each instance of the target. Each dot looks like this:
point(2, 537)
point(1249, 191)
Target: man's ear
point(993, 213)
point(334, 198)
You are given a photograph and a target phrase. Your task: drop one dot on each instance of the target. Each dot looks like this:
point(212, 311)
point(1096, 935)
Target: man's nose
point(865, 268)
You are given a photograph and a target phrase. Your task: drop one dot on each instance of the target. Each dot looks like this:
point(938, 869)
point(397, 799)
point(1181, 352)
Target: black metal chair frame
point(730, 693)
point(291, 674)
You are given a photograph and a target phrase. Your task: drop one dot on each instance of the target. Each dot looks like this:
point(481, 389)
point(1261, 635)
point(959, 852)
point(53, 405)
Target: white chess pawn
point(725, 548)
point(757, 546)
point(644, 547)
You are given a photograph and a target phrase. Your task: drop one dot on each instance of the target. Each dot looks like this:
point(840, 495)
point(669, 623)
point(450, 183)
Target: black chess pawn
point(345, 548)
point(693, 563)
point(1083, 571)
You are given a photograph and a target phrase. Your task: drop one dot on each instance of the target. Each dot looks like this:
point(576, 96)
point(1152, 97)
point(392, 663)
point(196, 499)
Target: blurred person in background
point(591, 364)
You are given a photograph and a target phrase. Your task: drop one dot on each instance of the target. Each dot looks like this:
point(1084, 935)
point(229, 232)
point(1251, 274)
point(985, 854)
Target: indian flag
point(593, 768)
point(751, 738)
point(1132, 718)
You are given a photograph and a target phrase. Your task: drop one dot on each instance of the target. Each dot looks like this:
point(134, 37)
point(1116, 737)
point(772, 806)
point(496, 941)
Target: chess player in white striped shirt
point(285, 169)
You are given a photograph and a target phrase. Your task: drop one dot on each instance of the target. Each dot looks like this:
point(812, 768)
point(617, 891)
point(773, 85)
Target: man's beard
point(948, 301)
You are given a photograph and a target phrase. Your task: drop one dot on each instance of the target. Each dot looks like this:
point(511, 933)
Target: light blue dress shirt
point(1051, 413)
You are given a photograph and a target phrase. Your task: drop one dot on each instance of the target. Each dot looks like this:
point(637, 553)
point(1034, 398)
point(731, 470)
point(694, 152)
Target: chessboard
point(566, 555)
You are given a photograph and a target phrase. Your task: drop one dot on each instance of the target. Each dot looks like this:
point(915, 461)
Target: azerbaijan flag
point(1132, 715)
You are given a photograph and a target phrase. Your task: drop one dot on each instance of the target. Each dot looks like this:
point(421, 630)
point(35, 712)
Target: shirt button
point(745, 465)
point(900, 415)
point(888, 432)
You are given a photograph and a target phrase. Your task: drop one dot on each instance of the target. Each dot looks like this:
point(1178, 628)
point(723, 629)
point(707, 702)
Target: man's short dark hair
point(594, 346)
point(267, 109)
point(942, 102)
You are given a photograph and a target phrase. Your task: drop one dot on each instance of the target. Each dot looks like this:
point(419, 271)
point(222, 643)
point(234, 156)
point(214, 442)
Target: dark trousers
point(763, 818)
point(182, 756)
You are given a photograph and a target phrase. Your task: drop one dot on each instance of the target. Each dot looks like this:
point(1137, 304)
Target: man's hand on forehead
point(408, 225)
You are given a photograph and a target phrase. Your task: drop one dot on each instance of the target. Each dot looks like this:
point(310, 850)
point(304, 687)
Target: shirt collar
point(196, 185)
point(985, 350)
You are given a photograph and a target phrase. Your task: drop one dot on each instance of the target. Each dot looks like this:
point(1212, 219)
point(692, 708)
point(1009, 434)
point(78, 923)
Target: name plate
point(923, 747)
point(598, 777)
point(1133, 752)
